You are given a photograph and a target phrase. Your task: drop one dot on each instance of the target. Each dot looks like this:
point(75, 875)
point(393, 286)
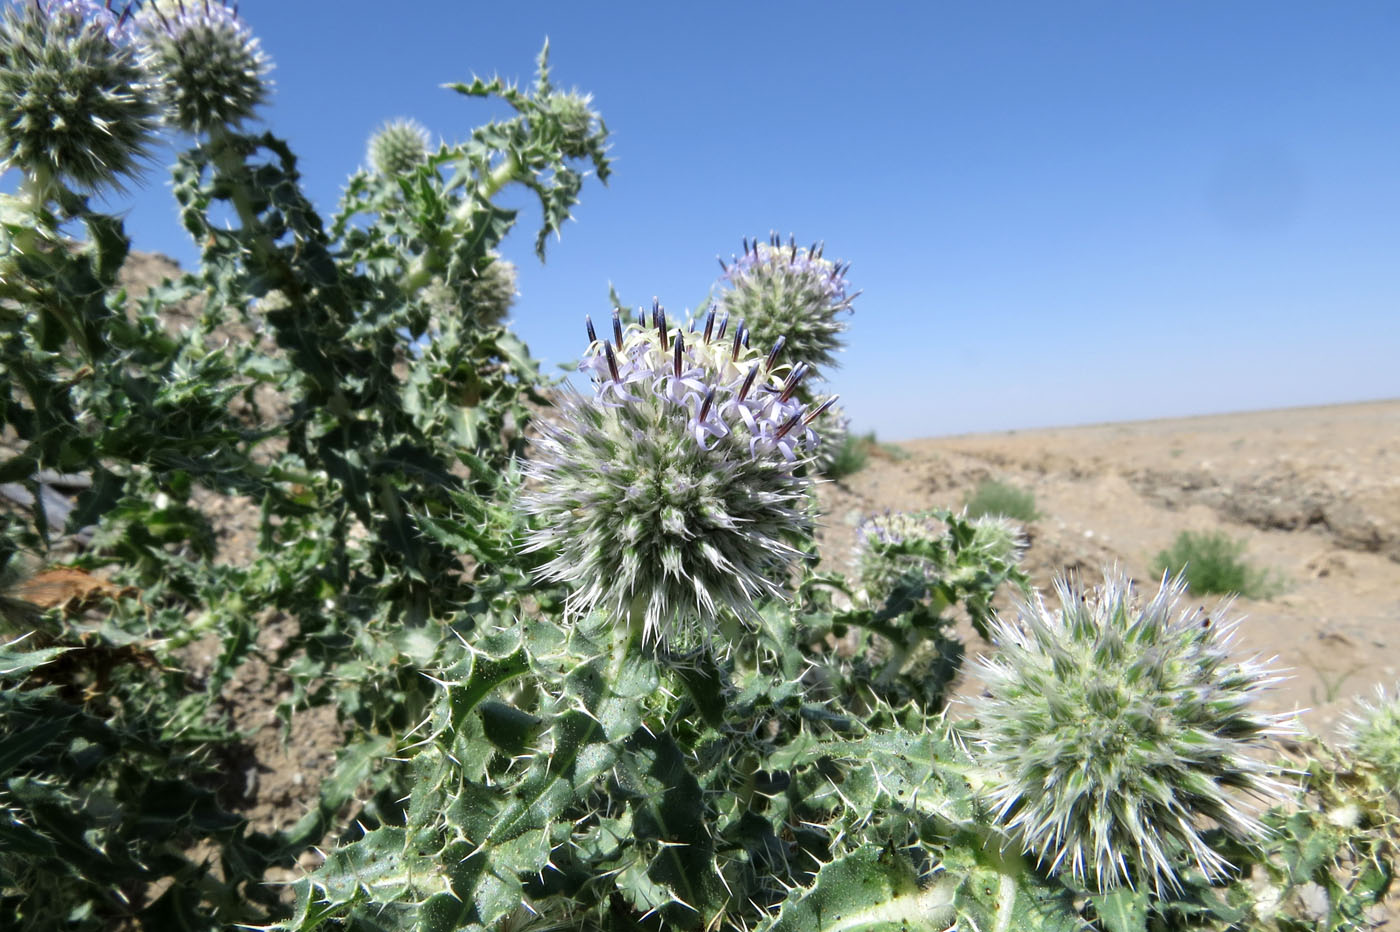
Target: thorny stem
point(228, 161)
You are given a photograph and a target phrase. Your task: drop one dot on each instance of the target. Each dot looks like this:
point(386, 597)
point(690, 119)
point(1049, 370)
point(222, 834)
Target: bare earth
point(1315, 492)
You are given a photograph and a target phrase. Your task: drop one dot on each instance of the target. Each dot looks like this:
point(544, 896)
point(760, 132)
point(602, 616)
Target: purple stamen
point(588, 323)
point(773, 353)
point(793, 379)
point(709, 323)
point(820, 409)
point(705, 405)
point(748, 383)
point(787, 426)
point(680, 348)
point(612, 361)
point(723, 323)
point(738, 341)
point(617, 326)
point(658, 316)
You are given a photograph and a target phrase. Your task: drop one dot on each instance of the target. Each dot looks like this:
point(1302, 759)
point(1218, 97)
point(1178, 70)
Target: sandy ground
point(1315, 493)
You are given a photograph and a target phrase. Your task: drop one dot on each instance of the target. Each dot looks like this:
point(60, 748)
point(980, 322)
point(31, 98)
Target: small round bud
point(1372, 733)
point(780, 289)
point(74, 101)
point(578, 126)
point(211, 70)
point(488, 297)
point(1120, 732)
point(398, 147)
point(673, 491)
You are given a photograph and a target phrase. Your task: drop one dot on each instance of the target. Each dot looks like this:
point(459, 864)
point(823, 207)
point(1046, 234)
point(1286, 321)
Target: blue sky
point(1058, 213)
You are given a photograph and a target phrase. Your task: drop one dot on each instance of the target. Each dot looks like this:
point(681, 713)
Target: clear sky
point(1058, 213)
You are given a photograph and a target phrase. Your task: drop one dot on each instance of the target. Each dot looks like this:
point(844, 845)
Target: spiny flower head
point(673, 491)
point(990, 546)
point(211, 70)
point(74, 101)
point(1372, 733)
point(1120, 730)
point(489, 296)
point(580, 131)
point(398, 147)
point(785, 290)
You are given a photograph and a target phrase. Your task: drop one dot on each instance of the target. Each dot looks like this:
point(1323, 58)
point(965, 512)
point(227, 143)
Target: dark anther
point(680, 348)
point(592, 335)
point(709, 323)
point(748, 383)
point(722, 265)
point(723, 323)
point(819, 409)
point(612, 361)
point(738, 341)
point(773, 354)
point(793, 380)
point(658, 317)
point(705, 405)
point(746, 245)
point(788, 425)
point(617, 326)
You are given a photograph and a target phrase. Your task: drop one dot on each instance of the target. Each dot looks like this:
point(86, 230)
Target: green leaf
point(868, 890)
point(1122, 910)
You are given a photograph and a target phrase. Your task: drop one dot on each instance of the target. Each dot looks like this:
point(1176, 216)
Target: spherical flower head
point(1120, 730)
point(1372, 734)
point(74, 101)
point(785, 290)
point(881, 571)
point(398, 147)
point(211, 70)
point(673, 493)
point(580, 131)
point(488, 297)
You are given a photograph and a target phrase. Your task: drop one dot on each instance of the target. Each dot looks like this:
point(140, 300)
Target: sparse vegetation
point(852, 456)
point(999, 498)
point(1212, 561)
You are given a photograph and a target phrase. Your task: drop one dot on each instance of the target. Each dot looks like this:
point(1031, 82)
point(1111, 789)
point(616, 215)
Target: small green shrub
point(999, 498)
point(852, 456)
point(1212, 561)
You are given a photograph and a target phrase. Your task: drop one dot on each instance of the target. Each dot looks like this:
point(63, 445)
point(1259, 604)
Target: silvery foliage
point(780, 753)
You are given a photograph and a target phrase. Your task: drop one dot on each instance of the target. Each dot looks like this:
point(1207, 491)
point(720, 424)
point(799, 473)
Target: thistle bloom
point(74, 101)
point(784, 290)
point(398, 147)
point(211, 69)
point(1120, 730)
point(672, 493)
point(1372, 733)
point(996, 542)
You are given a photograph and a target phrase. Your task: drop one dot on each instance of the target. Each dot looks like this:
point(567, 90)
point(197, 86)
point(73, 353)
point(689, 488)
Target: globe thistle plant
point(1119, 730)
point(672, 493)
point(788, 291)
point(211, 70)
point(74, 102)
point(398, 147)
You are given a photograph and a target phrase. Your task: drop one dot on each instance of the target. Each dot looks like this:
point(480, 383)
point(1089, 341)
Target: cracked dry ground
point(1315, 492)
